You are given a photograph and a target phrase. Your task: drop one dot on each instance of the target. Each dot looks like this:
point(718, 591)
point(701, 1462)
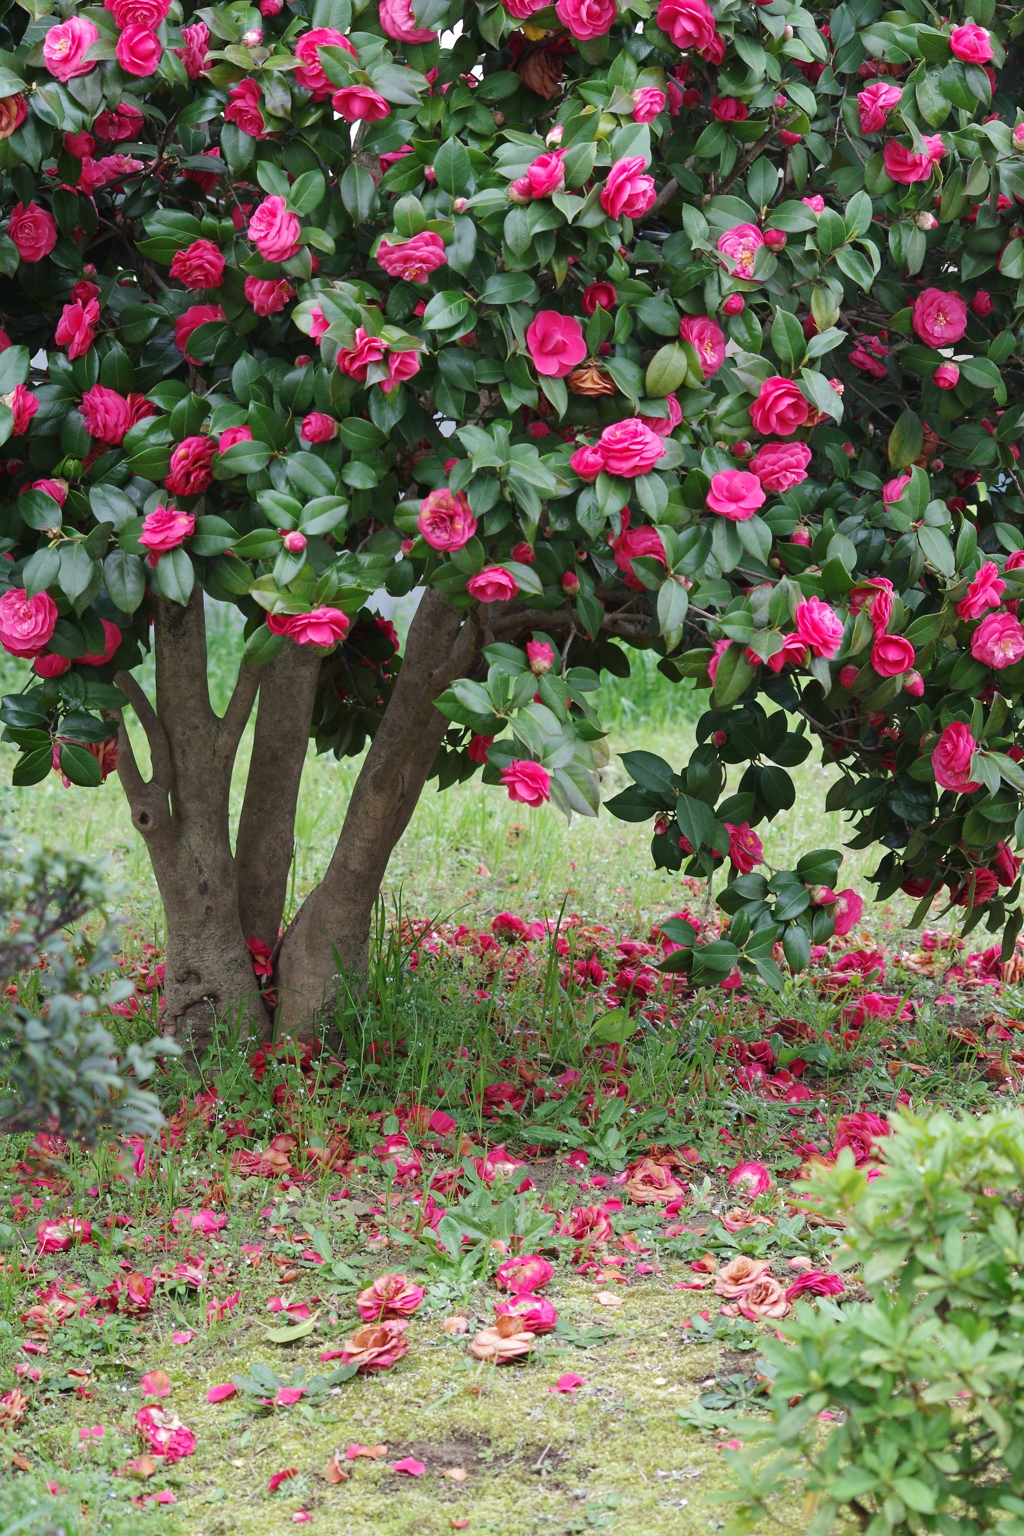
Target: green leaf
point(509, 288)
point(447, 310)
point(291, 1334)
point(906, 440)
point(125, 579)
point(453, 168)
point(666, 371)
point(358, 192)
point(79, 766)
point(174, 576)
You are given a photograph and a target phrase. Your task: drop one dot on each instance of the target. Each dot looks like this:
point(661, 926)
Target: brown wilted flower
point(765, 1298)
point(736, 1277)
point(541, 72)
point(455, 1324)
point(13, 1406)
point(592, 379)
point(376, 1346)
point(506, 1339)
point(739, 1218)
point(651, 1183)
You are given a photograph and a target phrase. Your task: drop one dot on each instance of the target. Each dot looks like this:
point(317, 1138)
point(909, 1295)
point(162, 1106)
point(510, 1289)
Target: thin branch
point(234, 718)
point(159, 749)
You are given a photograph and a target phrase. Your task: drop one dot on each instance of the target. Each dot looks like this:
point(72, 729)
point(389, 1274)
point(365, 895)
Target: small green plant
point(922, 1385)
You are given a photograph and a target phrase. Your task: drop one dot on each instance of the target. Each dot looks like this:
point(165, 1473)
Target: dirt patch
point(469, 1451)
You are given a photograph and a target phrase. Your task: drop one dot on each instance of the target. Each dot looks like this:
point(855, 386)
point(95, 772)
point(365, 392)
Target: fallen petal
point(156, 1384)
point(374, 1452)
point(221, 1393)
point(568, 1383)
point(410, 1466)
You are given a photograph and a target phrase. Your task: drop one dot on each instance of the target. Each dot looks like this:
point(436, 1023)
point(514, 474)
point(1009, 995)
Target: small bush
point(59, 1061)
point(926, 1379)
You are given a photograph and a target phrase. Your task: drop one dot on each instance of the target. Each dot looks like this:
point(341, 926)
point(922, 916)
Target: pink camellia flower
point(736, 1277)
point(541, 656)
point(599, 296)
point(939, 318)
point(24, 406)
point(65, 48)
point(780, 466)
point(232, 435)
point(971, 43)
point(401, 365)
point(998, 641)
point(164, 529)
point(267, 295)
point(493, 585)
point(360, 104)
point(324, 627)
point(665, 425)
point(445, 520)
point(57, 1236)
point(848, 913)
point(193, 317)
point(355, 361)
point(555, 343)
point(735, 494)
point(526, 1272)
point(648, 103)
point(631, 544)
point(946, 376)
point(139, 50)
point(191, 467)
point(527, 782)
point(111, 642)
point(318, 428)
point(815, 1282)
point(1006, 864)
point(415, 259)
point(985, 591)
point(195, 55)
point(32, 229)
point(627, 193)
point(398, 21)
point(892, 490)
point(544, 175)
point(689, 23)
point(729, 109)
point(586, 19)
point(793, 651)
point(537, 1313)
point(75, 328)
point(200, 265)
point(630, 448)
point(121, 123)
point(745, 847)
point(568, 1383)
point(750, 1179)
point(58, 489)
point(588, 462)
point(389, 1296)
point(740, 246)
point(26, 623)
point(906, 167)
point(874, 104)
point(861, 1132)
point(764, 1299)
point(819, 626)
point(155, 1383)
point(165, 1434)
point(108, 415)
point(981, 304)
point(951, 759)
point(779, 408)
point(707, 339)
point(310, 74)
point(274, 230)
point(892, 654)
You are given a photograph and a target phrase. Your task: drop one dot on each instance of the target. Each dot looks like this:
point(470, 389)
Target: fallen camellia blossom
point(207, 1222)
point(816, 1282)
point(287, 1397)
point(765, 1298)
point(568, 1383)
point(155, 1384)
point(221, 1393)
point(389, 1296)
point(527, 1272)
point(183, 1336)
point(506, 1339)
point(374, 1347)
point(13, 1407)
point(537, 1313)
point(410, 1466)
point(455, 1325)
point(165, 1434)
point(371, 1452)
point(750, 1179)
point(58, 1236)
point(608, 1298)
point(651, 1183)
point(739, 1218)
point(736, 1277)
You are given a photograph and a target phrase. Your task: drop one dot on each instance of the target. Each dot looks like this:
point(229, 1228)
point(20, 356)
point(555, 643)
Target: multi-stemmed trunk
point(216, 896)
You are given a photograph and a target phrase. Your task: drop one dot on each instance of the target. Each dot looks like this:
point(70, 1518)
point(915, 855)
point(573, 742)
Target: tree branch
point(234, 718)
point(156, 736)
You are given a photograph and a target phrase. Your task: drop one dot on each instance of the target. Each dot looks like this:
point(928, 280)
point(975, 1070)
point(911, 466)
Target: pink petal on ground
point(568, 1383)
point(155, 1384)
point(184, 1337)
point(410, 1466)
point(222, 1393)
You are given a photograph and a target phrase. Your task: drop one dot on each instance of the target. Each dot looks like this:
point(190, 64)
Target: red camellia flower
point(939, 318)
point(268, 296)
point(191, 320)
point(555, 343)
point(191, 468)
point(32, 229)
point(598, 296)
point(323, 627)
point(527, 782)
point(707, 339)
point(493, 585)
point(139, 50)
point(587, 19)
point(359, 104)
point(445, 520)
point(165, 1434)
point(26, 623)
point(526, 1272)
point(745, 847)
point(781, 466)
point(245, 108)
point(951, 759)
point(819, 626)
point(780, 407)
point(891, 655)
point(861, 1133)
point(985, 591)
point(274, 230)
point(310, 74)
point(628, 193)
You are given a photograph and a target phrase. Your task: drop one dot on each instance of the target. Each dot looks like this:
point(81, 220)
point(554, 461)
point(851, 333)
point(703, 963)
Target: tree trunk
point(182, 814)
point(329, 935)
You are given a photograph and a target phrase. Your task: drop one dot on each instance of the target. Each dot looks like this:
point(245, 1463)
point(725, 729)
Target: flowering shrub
point(689, 330)
point(921, 1383)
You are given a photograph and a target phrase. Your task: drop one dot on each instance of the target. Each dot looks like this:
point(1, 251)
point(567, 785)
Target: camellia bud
point(780, 102)
point(926, 220)
point(252, 39)
point(735, 304)
point(719, 738)
point(1018, 136)
point(938, 466)
point(801, 536)
point(553, 137)
point(570, 583)
point(660, 826)
point(523, 554)
point(913, 682)
point(789, 138)
point(742, 449)
point(981, 304)
point(408, 545)
point(775, 239)
point(847, 677)
point(460, 204)
point(821, 895)
point(849, 450)
point(946, 376)
point(294, 542)
point(541, 657)
point(519, 190)
point(787, 34)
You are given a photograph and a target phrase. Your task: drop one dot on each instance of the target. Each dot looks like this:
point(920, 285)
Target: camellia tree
point(685, 328)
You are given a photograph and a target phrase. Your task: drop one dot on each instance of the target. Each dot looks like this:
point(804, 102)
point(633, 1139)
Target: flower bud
point(294, 542)
point(913, 682)
point(847, 677)
point(407, 546)
point(1018, 136)
point(946, 376)
point(789, 138)
point(460, 204)
point(787, 34)
point(742, 449)
point(553, 137)
point(523, 554)
point(735, 304)
point(541, 657)
point(719, 738)
point(801, 536)
point(981, 304)
point(253, 38)
point(821, 895)
point(519, 190)
point(849, 450)
point(775, 239)
point(570, 583)
point(925, 220)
